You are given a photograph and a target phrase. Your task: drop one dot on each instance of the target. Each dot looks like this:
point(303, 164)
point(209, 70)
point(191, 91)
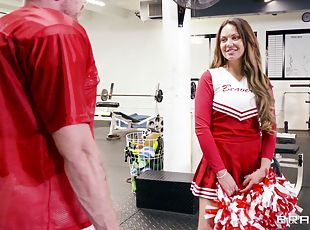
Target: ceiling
point(241, 7)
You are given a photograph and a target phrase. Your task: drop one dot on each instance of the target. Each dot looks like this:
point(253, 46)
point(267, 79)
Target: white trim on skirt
point(207, 193)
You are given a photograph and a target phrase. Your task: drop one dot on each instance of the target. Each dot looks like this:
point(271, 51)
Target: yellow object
point(155, 145)
point(151, 138)
point(135, 151)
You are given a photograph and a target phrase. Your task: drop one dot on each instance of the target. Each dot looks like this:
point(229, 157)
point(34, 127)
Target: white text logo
point(293, 220)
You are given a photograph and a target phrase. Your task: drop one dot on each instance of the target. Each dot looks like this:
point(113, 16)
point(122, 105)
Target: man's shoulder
point(30, 22)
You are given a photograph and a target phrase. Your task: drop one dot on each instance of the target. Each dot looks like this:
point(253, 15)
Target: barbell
point(105, 95)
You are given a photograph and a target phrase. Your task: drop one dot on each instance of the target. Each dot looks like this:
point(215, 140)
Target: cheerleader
point(234, 118)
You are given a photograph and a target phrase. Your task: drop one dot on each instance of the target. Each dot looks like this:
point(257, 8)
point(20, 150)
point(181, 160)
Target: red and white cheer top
point(227, 127)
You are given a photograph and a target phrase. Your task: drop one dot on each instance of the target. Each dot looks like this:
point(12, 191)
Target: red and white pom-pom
point(257, 208)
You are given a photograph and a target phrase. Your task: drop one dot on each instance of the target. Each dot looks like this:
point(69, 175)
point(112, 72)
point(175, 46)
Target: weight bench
point(123, 123)
point(131, 119)
point(105, 104)
point(291, 149)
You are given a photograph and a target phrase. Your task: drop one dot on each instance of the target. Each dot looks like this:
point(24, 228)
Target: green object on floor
point(133, 184)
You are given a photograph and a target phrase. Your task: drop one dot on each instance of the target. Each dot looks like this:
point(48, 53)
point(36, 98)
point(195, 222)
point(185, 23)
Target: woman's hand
point(227, 182)
point(254, 178)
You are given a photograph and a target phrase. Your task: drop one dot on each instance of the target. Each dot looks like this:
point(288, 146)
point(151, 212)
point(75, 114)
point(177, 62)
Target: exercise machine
point(121, 123)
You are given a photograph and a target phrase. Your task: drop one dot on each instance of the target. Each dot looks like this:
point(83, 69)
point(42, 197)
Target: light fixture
point(266, 1)
point(96, 2)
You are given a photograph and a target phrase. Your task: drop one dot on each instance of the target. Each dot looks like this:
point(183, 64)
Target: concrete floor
point(132, 218)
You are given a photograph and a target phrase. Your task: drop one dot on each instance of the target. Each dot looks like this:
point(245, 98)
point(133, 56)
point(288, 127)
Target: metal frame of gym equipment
point(121, 123)
point(293, 163)
point(286, 144)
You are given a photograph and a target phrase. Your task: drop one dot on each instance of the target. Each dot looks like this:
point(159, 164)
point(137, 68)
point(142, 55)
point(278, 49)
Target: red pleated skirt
point(240, 159)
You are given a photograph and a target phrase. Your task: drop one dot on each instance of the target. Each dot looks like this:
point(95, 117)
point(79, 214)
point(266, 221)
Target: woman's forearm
point(265, 163)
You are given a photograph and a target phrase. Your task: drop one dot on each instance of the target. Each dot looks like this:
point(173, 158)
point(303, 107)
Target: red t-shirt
point(48, 80)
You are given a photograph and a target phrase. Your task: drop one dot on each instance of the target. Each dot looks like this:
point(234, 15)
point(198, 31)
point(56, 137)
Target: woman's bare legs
point(204, 224)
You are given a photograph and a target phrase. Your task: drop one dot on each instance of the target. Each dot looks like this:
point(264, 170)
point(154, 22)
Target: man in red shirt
point(51, 174)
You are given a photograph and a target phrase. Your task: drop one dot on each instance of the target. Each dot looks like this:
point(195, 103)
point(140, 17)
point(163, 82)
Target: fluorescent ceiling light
point(96, 2)
point(266, 1)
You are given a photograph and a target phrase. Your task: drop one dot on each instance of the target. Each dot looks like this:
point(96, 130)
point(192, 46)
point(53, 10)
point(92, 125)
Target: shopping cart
point(144, 151)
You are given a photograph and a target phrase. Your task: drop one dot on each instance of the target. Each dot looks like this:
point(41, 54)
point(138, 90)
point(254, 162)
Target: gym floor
point(132, 218)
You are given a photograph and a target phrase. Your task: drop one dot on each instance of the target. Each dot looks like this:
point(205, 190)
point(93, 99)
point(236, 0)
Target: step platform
point(167, 191)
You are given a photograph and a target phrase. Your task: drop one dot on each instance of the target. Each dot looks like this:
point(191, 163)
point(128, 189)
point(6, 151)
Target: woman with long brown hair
point(234, 118)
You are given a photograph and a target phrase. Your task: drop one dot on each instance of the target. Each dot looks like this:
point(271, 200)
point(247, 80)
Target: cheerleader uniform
point(227, 127)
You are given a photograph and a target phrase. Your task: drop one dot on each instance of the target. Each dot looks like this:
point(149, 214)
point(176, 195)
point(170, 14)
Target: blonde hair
point(251, 67)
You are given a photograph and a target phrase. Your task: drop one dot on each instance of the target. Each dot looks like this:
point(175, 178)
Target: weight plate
point(159, 95)
point(306, 17)
point(104, 95)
